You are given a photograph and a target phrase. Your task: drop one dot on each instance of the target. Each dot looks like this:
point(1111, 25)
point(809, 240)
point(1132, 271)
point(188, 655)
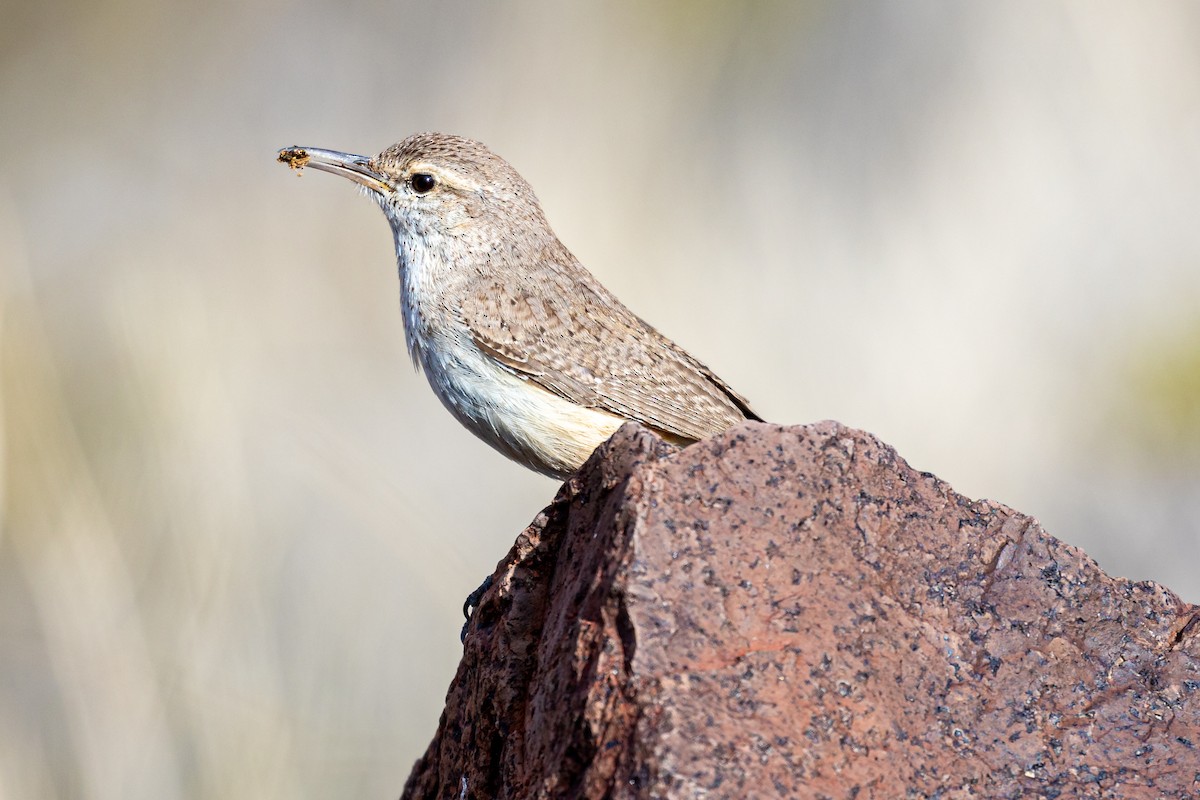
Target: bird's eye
point(422, 182)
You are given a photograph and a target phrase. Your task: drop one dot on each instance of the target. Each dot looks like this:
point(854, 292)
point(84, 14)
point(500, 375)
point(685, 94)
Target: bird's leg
point(472, 603)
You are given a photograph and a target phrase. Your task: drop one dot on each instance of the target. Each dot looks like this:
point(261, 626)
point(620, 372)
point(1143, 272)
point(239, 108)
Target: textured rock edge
point(549, 701)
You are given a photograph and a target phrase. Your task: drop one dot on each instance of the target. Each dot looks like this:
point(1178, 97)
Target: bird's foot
point(472, 603)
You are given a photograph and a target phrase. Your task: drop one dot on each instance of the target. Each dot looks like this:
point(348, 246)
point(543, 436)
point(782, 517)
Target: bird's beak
point(348, 165)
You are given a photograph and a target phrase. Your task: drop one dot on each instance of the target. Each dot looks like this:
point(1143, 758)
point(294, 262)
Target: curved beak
point(348, 165)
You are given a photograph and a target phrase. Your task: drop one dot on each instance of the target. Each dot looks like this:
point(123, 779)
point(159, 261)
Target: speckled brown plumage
point(487, 288)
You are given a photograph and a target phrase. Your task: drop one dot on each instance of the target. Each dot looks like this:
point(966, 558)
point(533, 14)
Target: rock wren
point(518, 340)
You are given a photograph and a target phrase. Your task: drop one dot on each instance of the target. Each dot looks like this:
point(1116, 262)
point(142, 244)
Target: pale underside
point(518, 340)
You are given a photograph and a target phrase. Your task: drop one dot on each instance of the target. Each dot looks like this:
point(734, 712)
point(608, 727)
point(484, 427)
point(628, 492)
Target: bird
point(517, 339)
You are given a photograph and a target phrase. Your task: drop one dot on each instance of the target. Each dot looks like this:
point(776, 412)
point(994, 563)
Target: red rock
point(795, 612)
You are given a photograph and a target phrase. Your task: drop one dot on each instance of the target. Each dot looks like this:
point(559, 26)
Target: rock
point(795, 612)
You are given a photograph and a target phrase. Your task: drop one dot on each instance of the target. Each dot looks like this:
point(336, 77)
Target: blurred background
point(238, 527)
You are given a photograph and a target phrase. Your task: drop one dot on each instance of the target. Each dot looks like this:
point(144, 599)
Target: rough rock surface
point(795, 612)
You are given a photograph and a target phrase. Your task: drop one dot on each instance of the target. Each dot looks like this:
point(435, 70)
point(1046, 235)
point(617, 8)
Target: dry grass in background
point(237, 528)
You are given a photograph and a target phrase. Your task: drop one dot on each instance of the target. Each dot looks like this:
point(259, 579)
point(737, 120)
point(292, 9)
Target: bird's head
point(435, 187)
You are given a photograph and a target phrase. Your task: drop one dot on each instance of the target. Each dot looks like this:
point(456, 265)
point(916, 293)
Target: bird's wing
point(560, 329)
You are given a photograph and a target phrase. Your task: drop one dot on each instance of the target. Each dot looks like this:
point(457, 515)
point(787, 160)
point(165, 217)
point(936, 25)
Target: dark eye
point(423, 182)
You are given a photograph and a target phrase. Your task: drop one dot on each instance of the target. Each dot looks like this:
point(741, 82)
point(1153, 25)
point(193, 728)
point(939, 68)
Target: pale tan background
point(238, 526)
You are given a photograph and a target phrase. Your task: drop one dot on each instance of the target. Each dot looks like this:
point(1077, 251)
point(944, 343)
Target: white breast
point(522, 420)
